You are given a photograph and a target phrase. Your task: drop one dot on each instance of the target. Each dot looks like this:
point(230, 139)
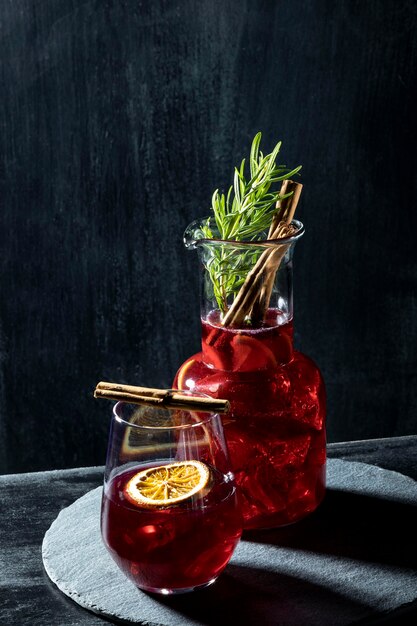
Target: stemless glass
point(181, 545)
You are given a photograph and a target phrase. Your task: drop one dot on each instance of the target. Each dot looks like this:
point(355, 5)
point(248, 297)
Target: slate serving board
point(353, 559)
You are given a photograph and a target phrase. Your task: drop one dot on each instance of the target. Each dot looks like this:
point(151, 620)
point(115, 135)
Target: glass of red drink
point(170, 517)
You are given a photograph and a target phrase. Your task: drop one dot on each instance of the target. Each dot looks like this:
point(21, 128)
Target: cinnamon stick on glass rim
point(164, 398)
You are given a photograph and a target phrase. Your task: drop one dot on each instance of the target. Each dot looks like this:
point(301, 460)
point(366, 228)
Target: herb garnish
point(244, 214)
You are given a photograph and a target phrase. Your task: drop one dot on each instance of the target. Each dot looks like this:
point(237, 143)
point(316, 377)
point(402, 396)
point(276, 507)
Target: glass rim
point(192, 242)
point(208, 416)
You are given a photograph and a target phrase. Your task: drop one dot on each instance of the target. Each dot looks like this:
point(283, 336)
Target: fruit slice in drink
point(249, 354)
point(166, 485)
point(171, 527)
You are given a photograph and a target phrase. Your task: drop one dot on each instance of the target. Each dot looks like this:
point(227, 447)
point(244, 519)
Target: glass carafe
point(275, 429)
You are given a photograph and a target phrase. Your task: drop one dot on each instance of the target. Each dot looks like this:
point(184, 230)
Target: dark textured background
point(118, 119)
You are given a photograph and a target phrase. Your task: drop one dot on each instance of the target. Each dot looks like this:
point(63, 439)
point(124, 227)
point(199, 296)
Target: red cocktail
point(183, 546)
point(170, 516)
point(275, 430)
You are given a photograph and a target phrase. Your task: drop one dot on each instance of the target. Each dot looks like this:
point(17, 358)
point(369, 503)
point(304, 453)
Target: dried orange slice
point(166, 485)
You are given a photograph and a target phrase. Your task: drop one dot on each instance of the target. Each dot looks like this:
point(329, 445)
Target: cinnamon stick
point(285, 206)
point(261, 303)
point(165, 398)
point(255, 292)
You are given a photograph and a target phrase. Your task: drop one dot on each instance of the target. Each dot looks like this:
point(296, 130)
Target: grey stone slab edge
point(76, 560)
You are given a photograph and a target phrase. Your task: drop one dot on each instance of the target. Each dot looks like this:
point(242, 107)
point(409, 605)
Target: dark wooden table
point(30, 503)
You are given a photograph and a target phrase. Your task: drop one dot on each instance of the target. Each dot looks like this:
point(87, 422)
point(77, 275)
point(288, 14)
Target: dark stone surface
point(349, 561)
point(399, 453)
point(30, 503)
point(118, 120)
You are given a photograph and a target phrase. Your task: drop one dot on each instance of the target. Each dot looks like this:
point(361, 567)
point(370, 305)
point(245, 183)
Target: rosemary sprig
point(244, 214)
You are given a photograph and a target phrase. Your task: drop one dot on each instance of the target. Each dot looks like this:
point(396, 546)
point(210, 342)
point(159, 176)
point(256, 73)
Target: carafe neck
point(247, 349)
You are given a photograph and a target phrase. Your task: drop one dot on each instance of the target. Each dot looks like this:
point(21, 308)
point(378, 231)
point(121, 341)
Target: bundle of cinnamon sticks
point(253, 298)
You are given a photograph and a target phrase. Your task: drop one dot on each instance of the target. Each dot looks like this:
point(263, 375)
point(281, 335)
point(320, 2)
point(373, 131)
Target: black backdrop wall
point(118, 120)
